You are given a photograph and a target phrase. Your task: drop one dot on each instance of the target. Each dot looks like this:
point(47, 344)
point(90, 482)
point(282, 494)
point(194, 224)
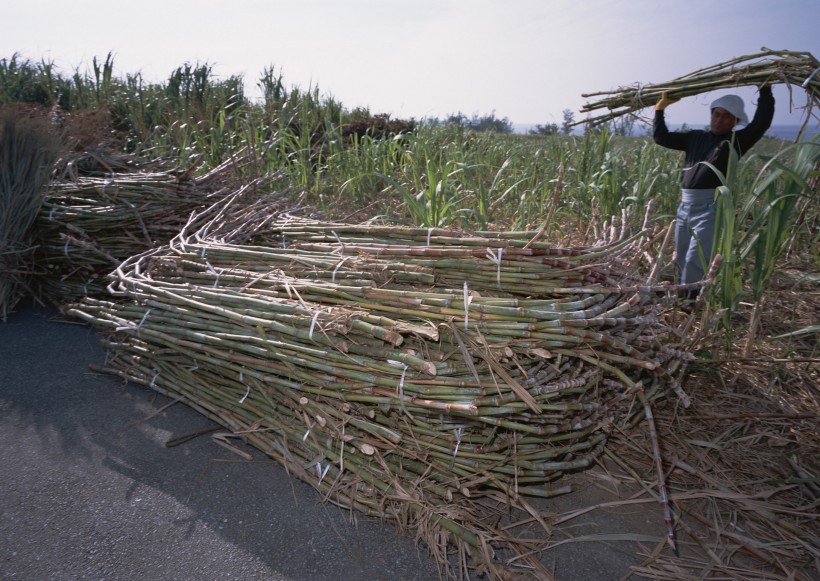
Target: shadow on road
point(88, 488)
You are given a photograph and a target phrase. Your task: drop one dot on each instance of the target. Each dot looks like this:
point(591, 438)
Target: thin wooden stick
point(656, 451)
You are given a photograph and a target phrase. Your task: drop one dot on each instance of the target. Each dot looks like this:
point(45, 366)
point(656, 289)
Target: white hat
point(734, 105)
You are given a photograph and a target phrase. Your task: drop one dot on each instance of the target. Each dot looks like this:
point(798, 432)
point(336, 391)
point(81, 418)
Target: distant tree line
point(476, 122)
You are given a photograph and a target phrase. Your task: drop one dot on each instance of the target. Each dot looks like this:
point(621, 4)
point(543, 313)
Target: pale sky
point(526, 60)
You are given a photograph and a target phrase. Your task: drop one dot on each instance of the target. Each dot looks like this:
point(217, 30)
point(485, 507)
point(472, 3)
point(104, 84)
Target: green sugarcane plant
point(754, 230)
point(772, 209)
point(728, 286)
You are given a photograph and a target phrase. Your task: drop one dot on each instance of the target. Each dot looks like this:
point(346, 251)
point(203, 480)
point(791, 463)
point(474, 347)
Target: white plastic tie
point(497, 261)
point(144, 317)
point(247, 393)
point(467, 300)
point(324, 473)
point(204, 248)
point(313, 324)
point(65, 250)
point(307, 433)
point(401, 381)
point(213, 271)
point(341, 248)
point(459, 432)
point(154, 379)
point(810, 77)
point(338, 266)
point(429, 232)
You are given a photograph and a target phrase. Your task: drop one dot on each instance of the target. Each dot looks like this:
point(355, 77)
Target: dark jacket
point(704, 146)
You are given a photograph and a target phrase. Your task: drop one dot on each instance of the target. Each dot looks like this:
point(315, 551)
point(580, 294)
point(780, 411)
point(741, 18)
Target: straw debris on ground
point(743, 458)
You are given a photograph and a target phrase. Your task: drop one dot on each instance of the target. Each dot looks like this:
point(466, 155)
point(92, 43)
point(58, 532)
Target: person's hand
point(665, 101)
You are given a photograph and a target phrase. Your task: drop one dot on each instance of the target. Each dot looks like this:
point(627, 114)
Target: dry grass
point(742, 460)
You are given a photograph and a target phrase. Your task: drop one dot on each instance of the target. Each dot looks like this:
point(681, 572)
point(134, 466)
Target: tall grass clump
point(28, 150)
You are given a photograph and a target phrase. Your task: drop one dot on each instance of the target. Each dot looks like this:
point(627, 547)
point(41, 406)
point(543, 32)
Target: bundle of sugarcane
point(800, 69)
point(28, 151)
point(88, 225)
point(367, 371)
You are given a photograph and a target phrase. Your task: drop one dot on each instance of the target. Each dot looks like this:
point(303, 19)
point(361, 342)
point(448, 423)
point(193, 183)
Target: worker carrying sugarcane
point(697, 212)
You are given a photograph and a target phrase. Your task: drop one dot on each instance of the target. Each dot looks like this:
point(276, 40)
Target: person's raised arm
point(665, 101)
point(761, 121)
point(660, 133)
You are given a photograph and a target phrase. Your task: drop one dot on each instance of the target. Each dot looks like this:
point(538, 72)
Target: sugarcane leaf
point(811, 329)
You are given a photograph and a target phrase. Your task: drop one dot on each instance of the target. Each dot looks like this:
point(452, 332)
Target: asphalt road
point(89, 489)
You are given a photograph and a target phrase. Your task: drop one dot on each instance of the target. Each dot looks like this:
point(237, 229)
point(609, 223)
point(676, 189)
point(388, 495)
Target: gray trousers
point(695, 233)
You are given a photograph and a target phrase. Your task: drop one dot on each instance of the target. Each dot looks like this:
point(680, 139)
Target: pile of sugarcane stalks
point(799, 69)
point(88, 225)
point(417, 375)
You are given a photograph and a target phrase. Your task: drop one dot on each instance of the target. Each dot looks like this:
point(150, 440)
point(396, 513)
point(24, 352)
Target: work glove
point(665, 101)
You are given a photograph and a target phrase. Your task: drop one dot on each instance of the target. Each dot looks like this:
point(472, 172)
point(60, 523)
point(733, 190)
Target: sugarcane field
point(471, 346)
